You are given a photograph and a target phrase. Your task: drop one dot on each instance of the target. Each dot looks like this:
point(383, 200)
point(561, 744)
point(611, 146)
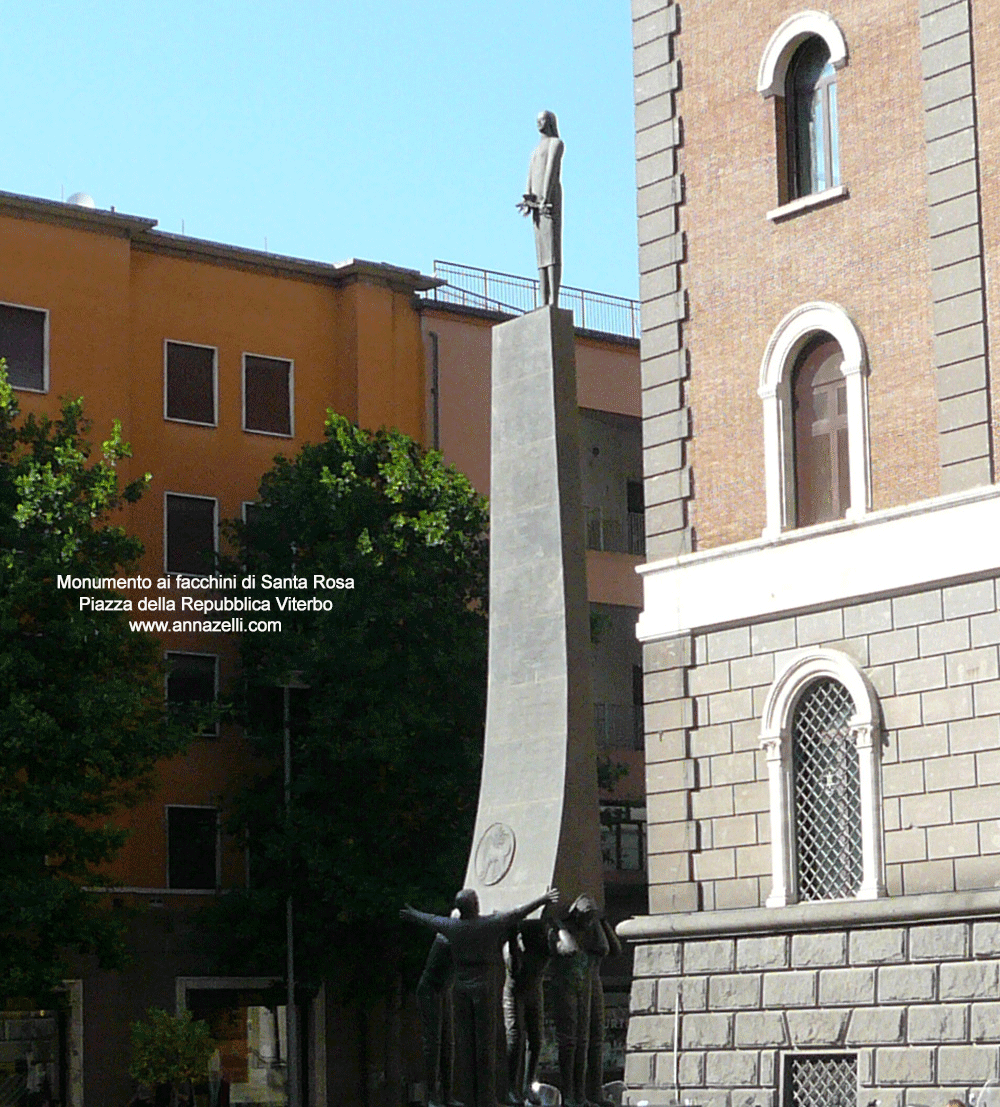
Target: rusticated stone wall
point(919, 1004)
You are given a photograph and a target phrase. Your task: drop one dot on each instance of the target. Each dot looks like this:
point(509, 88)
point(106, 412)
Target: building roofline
point(140, 231)
point(59, 211)
point(341, 272)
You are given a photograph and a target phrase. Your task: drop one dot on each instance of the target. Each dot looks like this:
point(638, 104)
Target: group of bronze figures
point(480, 964)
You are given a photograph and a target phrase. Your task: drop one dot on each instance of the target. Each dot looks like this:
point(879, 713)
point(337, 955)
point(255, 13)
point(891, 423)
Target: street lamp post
point(291, 1015)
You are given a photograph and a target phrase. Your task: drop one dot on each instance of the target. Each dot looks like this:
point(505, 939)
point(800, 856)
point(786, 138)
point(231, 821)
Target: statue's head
point(583, 907)
point(467, 903)
point(547, 123)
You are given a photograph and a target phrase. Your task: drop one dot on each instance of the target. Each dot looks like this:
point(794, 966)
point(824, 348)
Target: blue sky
point(393, 130)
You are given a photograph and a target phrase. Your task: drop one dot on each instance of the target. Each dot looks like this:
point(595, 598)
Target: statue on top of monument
point(543, 200)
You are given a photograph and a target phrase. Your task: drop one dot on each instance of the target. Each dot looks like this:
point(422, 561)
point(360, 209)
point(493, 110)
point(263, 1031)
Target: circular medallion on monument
point(495, 853)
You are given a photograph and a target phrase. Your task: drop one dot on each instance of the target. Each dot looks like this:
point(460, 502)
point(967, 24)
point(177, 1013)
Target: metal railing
point(618, 726)
point(471, 286)
point(616, 533)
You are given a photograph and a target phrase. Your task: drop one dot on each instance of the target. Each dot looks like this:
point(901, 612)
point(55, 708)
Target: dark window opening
point(192, 847)
point(822, 469)
point(191, 683)
point(623, 837)
point(190, 383)
point(190, 538)
point(267, 387)
point(22, 346)
point(812, 127)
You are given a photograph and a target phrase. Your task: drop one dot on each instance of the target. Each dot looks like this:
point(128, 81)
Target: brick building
point(821, 618)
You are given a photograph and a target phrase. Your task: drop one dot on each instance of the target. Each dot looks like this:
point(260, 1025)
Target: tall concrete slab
point(537, 824)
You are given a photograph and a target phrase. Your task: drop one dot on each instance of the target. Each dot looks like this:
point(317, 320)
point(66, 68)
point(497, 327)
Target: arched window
point(798, 71)
point(822, 733)
point(822, 455)
point(827, 793)
point(811, 103)
point(813, 383)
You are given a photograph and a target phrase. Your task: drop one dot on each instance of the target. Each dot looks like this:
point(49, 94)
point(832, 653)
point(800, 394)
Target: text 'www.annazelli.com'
point(207, 626)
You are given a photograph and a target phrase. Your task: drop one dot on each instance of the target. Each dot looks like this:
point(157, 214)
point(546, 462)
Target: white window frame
point(215, 382)
point(167, 654)
point(291, 393)
point(45, 347)
point(802, 669)
point(215, 530)
point(788, 38)
point(218, 844)
point(775, 390)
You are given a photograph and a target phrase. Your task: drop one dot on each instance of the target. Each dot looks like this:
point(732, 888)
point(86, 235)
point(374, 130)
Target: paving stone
point(975, 980)
point(658, 960)
point(973, 1064)
point(819, 949)
point(817, 1028)
point(789, 989)
point(903, 983)
point(760, 1029)
point(876, 1026)
point(912, 1065)
point(938, 1023)
point(762, 953)
point(847, 986)
point(704, 1031)
point(877, 947)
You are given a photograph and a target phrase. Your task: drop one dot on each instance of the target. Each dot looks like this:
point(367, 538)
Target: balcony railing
point(622, 533)
point(504, 292)
point(618, 726)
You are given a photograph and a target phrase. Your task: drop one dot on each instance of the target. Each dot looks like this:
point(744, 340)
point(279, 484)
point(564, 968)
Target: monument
point(537, 824)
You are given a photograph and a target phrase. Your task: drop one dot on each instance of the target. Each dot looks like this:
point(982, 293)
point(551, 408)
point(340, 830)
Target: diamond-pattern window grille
point(827, 793)
point(821, 1080)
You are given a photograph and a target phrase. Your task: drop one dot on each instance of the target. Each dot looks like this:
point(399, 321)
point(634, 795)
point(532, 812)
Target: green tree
point(81, 697)
point(172, 1050)
point(388, 737)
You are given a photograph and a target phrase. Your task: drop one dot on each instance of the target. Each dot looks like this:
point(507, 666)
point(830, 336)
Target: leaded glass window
point(827, 793)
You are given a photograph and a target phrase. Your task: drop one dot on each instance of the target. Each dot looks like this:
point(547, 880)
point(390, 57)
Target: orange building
point(215, 359)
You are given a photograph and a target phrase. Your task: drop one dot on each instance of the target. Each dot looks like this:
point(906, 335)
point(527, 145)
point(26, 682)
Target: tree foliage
point(388, 737)
point(81, 697)
point(170, 1049)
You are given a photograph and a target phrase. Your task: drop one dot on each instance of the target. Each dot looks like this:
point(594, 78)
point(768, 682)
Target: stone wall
point(919, 1004)
point(932, 657)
